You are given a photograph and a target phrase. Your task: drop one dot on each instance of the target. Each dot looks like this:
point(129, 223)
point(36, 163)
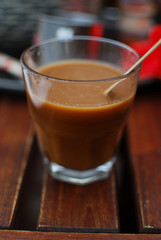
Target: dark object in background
point(18, 21)
point(110, 17)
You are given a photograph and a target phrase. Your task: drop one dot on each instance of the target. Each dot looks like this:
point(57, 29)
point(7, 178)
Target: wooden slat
point(14, 146)
point(91, 208)
point(23, 235)
point(144, 138)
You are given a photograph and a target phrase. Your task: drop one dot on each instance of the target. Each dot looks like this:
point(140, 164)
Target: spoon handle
point(145, 56)
point(134, 66)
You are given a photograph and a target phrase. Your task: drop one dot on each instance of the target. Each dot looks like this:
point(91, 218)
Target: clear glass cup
point(78, 136)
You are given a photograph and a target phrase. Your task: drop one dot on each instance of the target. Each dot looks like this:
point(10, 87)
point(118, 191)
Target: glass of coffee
point(78, 126)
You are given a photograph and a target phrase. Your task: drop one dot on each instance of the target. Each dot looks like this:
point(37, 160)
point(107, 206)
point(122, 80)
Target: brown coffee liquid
point(78, 126)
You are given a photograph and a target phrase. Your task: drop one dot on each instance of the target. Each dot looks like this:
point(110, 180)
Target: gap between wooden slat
point(29, 203)
point(126, 191)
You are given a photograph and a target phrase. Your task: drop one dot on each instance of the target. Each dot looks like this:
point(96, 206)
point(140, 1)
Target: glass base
point(79, 177)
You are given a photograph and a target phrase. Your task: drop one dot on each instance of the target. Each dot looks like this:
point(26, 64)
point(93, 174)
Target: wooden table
point(125, 206)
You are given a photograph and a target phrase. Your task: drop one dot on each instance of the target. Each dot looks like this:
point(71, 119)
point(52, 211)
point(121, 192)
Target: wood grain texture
point(91, 208)
point(24, 235)
point(144, 124)
point(144, 141)
point(14, 146)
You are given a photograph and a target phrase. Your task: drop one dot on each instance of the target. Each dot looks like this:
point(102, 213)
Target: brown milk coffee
point(77, 125)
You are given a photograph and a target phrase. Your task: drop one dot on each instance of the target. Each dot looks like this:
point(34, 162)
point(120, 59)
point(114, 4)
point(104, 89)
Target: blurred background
point(24, 22)
point(27, 22)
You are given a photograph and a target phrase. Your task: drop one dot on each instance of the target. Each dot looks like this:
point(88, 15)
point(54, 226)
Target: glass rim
point(91, 38)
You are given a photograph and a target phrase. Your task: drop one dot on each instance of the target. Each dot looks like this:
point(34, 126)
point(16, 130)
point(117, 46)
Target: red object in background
point(151, 68)
point(96, 30)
